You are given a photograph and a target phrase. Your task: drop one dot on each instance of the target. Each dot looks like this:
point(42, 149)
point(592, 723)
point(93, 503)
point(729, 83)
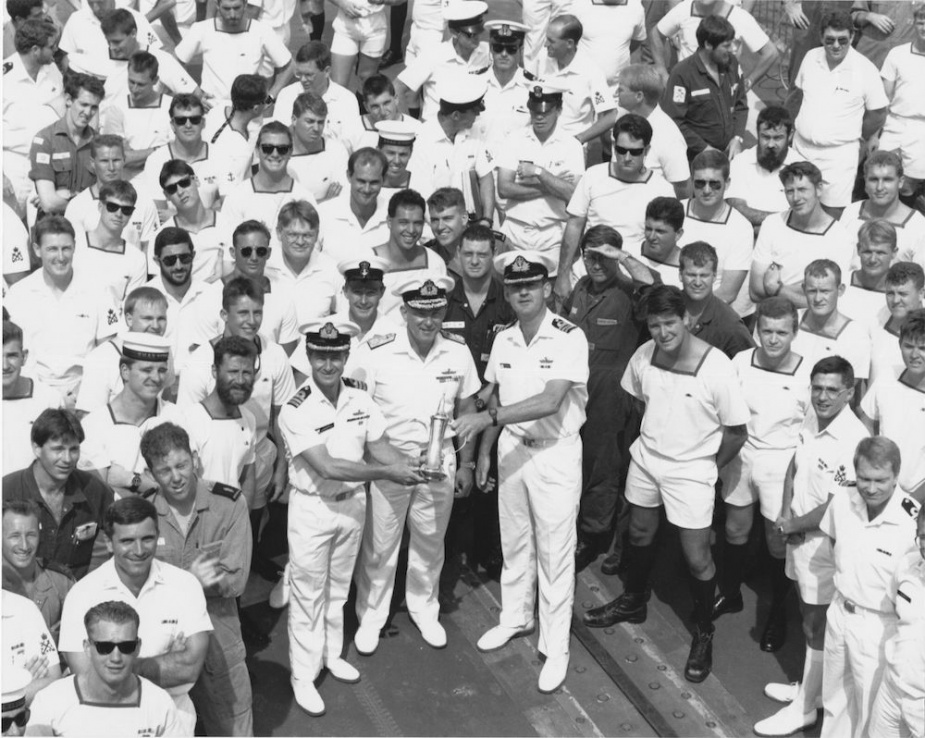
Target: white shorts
point(812, 565)
point(907, 137)
point(756, 476)
point(360, 35)
point(524, 236)
point(839, 167)
point(686, 489)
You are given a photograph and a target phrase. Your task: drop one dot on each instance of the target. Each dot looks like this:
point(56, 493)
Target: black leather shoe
point(389, 58)
point(724, 604)
point(585, 554)
point(775, 631)
point(612, 563)
point(627, 608)
point(700, 660)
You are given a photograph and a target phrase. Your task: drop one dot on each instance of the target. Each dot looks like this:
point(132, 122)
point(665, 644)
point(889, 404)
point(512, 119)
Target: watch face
point(479, 404)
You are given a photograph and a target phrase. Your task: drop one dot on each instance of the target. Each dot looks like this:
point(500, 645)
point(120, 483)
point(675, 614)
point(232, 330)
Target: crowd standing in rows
point(248, 284)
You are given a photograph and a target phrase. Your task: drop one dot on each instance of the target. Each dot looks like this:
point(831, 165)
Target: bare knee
point(643, 525)
point(738, 524)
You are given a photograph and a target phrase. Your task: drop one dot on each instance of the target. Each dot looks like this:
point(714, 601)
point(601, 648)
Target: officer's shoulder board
point(504, 326)
point(563, 325)
point(454, 337)
point(912, 510)
point(7, 66)
point(530, 75)
point(49, 565)
point(379, 341)
point(355, 383)
point(481, 70)
point(299, 397)
point(225, 490)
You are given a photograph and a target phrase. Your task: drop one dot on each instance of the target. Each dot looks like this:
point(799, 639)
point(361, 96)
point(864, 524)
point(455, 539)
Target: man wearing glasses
point(174, 625)
point(822, 467)
point(841, 100)
point(109, 694)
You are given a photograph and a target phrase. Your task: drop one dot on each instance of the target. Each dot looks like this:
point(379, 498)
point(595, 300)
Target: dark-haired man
point(381, 105)
point(174, 624)
point(72, 503)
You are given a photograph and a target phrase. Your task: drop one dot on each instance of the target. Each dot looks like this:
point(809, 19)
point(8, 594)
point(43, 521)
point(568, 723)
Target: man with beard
point(204, 530)
point(677, 470)
point(448, 220)
point(538, 172)
point(318, 162)
point(705, 95)
point(114, 430)
point(755, 189)
point(355, 222)
point(223, 432)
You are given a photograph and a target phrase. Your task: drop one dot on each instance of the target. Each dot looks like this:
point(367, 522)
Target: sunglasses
point(836, 41)
point(21, 719)
point(173, 258)
point(701, 184)
point(623, 151)
point(283, 149)
point(104, 648)
point(171, 189)
point(114, 207)
point(504, 49)
point(182, 120)
point(246, 251)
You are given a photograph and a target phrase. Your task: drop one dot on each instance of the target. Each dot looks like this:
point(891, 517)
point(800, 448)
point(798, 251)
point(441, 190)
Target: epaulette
point(149, 493)
point(7, 66)
point(530, 76)
point(563, 325)
point(504, 326)
point(224, 490)
point(49, 565)
point(454, 337)
point(299, 397)
point(378, 341)
point(908, 504)
point(480, 71)
point(355, 383)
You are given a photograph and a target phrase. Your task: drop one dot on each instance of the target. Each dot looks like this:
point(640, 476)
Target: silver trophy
point(432, 468)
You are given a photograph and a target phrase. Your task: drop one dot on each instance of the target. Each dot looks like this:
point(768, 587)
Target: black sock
point(734, 557)
point(317, 25)
point(780, 583)
point(703, 593)
point(641, 562)
point(397, 17)
point(255, 516)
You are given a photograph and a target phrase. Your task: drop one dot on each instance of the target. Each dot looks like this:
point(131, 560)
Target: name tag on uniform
point(699, 93)
point(61, 155)
point(452, 325)
point(607, 321)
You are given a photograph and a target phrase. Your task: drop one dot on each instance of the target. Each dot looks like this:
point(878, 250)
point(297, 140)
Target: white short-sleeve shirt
point(851, 343)
point(24, 633)
point(437, 161)
point(681, 22)
point(440, 60)
point(15, 244)
point(119, 271)
point(18, 415)
point(910, 234)
point(588, 94)
point(225, 445)
point(905, 68)
point(313, 292)
point(793, 249)
point(317, 172)
point(758, 187)
point(608, 32)
point(342, 234)
point(207, 170)
point(899, 407)
point(141, 126)
point(343, 119)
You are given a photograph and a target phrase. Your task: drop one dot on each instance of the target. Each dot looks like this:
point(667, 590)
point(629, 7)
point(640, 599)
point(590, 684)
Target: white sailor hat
point(329, 334)
point(462, 91)
point(15, 681)
point(363, 269)
point(425, 291)
point(517, 267)
point(543, 96)
point(145, 347)
point(463, 14)
point(509, 33)
point(396, 133)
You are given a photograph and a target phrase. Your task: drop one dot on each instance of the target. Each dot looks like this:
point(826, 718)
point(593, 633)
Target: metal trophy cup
point(432, 468)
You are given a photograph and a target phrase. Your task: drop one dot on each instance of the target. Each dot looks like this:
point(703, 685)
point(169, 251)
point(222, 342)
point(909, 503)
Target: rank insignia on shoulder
point(454, 337)
point(383, 340)
point(224, 490)
point(482, 70)
point(299, 397)
point(355, 383)
point(562, 325)
point(908, 504)
point(7, 66)
point(529, 75)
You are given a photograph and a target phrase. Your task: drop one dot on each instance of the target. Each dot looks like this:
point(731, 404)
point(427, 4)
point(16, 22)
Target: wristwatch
point(480, 404)
point(136, 482)
point(493, 414)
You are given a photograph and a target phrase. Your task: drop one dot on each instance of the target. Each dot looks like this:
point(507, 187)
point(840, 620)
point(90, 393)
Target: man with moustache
point(704, 94)
point(174, 624)
point(755, 188)
point(109, 695)
point(677, 470)
point(204, 530)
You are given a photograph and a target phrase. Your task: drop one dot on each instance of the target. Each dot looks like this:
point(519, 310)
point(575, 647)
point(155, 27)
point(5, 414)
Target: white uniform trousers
point(852, 666)
point(427, 508)
point(896, 714)
point(538, 495)
point(324, 540)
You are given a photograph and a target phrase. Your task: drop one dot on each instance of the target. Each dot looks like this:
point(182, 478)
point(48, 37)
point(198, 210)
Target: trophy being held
point(432, 466)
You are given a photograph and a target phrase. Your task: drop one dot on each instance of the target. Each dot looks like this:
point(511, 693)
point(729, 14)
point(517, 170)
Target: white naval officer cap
point(508, 33)
point(425, 291)
point(519, 267)
point(15, 681)
point(460, 91)
point(329, 334)
point(145, 347)
point(363, 269)
point(396, 133)
point(463, 15)
point(543, 96)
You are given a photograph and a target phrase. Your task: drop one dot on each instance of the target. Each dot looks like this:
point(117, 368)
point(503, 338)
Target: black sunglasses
point(21, 719)
point(504, 49)
point(171, 189)
point(114, 207)
point(701, 184)
point(182, 120)
point(173, 258)
point(283, 149)
point(623, 151)
point(104, 648)
point(246, 251)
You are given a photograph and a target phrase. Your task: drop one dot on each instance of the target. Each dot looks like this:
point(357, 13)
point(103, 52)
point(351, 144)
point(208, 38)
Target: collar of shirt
point(847, 65)
point(109, 578)
point(701, 70)
point(59, 128)
point(339, 209)
point(838, 428)
point(73, 491)
point(196, 288)
point(545, 330)
point(403, 345)
point(518, 80)
point(203, 498)
point(458, 293)
point(317, 262)
point(709, 311)
point(893, 513)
